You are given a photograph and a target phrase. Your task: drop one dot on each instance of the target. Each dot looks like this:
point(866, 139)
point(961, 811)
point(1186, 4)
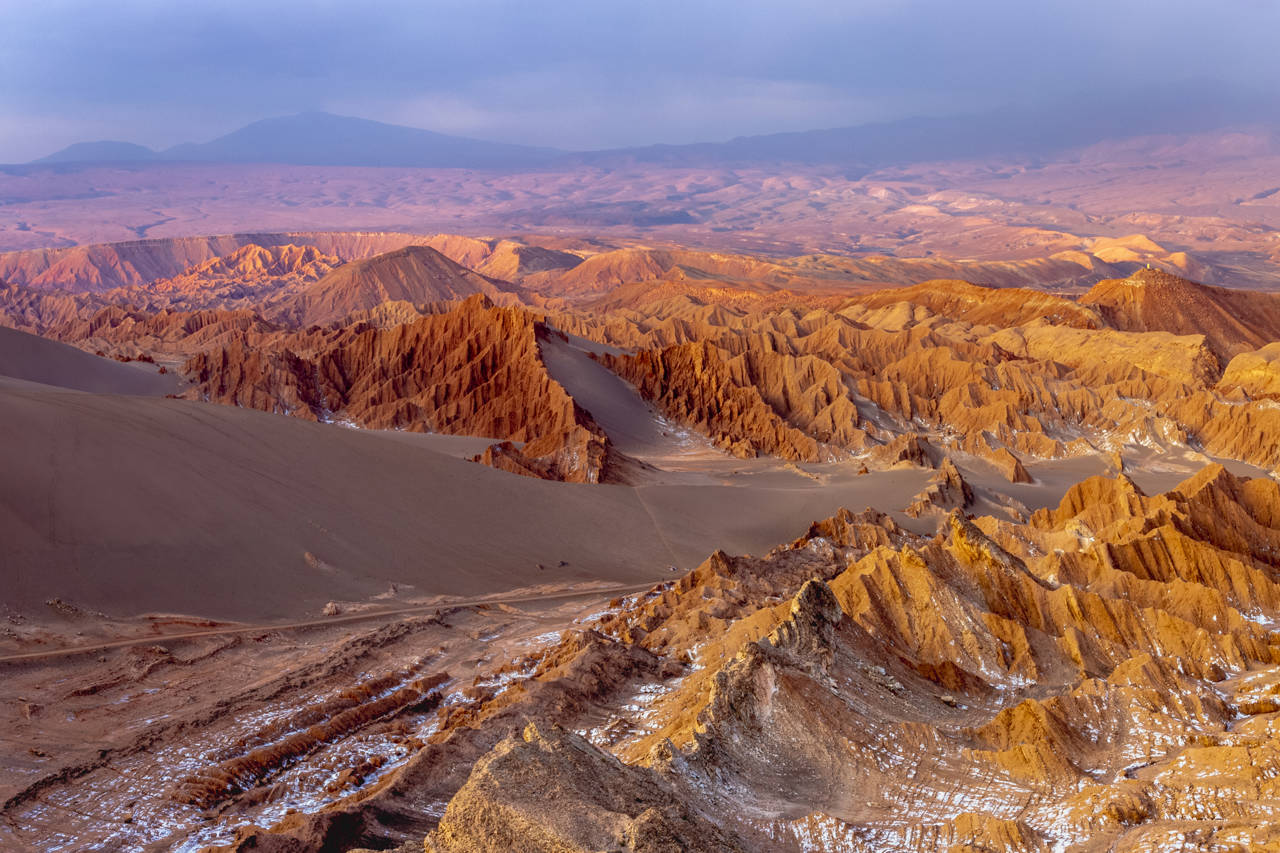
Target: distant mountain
point(1037, 130)
point(321, 139)
point(1041, 129)
point(101, 152)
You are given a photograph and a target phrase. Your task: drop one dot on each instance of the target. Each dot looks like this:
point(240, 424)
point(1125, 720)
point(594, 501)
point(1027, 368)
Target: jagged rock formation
point(764, 357)
point(1102, 677)
point(542, 267)
point(905, 449)
point(140, 263)
point(755, 403)
point(252, 277)
point(42, 311)
point(1005, 462)
point(473, 370)
point(855, 661)
point(110, 265)
point(960, 300)
point(1254, 374)
point(843, 376)
point(946, 490)
point(128, 333)
point(643, 640)
point(285, 284)
point(508, 260)
point(607, 270)
point(543, 792)
point(1099, 675)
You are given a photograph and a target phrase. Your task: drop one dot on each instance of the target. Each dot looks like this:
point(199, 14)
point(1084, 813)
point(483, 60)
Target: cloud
point(583, 74)
point(569, 108)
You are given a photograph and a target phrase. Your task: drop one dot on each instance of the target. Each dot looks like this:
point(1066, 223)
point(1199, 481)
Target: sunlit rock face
point(1102, 677)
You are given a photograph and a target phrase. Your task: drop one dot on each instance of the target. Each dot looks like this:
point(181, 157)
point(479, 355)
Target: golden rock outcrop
point(1254, 374)
point(961, 693)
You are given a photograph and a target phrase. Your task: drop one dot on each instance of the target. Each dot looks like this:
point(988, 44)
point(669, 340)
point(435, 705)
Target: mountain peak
point(105, 151)
point(323, 139)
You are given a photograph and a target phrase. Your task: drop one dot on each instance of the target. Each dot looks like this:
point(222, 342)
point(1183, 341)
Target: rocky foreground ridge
point(1104, 676)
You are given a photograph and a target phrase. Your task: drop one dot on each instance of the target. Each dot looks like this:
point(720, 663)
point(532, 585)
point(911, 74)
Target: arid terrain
point(644, 507)
point(1207, 204)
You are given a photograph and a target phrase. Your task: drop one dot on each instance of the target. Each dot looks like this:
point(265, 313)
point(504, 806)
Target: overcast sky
point(590, 74)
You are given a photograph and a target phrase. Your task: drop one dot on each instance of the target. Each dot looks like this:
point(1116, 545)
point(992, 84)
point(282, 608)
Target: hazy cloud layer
point(590, 74)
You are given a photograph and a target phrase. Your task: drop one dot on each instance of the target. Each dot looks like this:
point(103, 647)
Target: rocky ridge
point(1102, 677)
point(808, 380)
point(474, 370)
point(779, 364)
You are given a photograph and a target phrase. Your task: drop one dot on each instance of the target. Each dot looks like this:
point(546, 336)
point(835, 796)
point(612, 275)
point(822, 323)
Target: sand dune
point(36, 359)
point(231, 513)
point(631, 423)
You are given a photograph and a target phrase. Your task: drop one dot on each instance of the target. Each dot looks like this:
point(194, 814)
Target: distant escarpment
point(583, 269)
point(252, 277)
point(143, 263)
point(473, 370)
point(140, 262)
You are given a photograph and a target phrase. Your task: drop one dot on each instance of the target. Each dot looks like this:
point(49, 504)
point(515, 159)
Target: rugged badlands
point(339, 541)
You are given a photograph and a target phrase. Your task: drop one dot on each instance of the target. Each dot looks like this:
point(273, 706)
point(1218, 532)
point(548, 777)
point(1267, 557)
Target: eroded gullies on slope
point(1010, 666)
point(212, 735)
point(951, 691)
point(1064, 680)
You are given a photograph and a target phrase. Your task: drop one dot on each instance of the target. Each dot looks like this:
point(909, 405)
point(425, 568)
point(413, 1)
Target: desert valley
point(910, 486)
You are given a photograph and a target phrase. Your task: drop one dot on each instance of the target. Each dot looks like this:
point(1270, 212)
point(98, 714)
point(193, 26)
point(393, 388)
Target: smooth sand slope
point(631, 423)
point(133, 505)
point(36, 359)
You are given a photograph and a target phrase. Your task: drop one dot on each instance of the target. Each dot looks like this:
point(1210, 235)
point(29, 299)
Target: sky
point(584, 75)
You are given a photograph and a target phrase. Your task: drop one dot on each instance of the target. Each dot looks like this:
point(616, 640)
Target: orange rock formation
point(1099, 677)
point(474, 370)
